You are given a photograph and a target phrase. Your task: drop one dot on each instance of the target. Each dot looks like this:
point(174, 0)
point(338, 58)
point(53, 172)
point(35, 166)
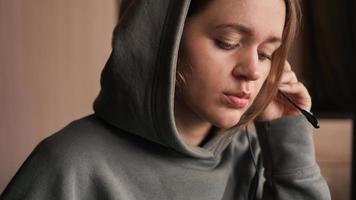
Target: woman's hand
point(280, 107)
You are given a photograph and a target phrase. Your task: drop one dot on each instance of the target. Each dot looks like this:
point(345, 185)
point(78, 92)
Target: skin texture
point(219, 60)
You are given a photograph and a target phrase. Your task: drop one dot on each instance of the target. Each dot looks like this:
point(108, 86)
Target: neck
point(191, 127)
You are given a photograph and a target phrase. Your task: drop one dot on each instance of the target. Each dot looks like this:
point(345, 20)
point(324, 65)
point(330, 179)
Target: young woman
point(183, 81)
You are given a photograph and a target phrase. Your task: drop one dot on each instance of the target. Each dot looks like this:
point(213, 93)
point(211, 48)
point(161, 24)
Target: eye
point(264, 57)
point(226, 45)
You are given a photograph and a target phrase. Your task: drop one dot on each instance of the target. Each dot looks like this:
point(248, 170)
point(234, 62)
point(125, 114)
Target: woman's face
point(225, 54)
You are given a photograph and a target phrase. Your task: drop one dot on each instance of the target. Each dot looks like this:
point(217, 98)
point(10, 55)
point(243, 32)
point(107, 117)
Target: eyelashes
point(263, 57)
point(228, 46)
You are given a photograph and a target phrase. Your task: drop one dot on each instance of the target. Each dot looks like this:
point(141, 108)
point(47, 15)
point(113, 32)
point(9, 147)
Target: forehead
point(264, 17)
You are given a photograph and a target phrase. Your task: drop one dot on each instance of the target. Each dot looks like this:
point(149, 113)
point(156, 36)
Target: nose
point(247, 65)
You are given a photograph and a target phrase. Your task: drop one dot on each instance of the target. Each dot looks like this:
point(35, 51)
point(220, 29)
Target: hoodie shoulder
point(67, 162)
point(77, 142)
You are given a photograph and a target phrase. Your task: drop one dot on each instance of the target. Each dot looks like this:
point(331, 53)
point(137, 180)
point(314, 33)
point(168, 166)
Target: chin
point(227, 120)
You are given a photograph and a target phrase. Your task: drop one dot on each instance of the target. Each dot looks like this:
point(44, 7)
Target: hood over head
point(138, 80)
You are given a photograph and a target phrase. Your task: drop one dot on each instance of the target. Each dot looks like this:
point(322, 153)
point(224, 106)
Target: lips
point(238, 100)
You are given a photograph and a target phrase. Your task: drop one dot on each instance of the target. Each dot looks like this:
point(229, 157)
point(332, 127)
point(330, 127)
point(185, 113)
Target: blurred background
point(52, 53)
point(51, 56)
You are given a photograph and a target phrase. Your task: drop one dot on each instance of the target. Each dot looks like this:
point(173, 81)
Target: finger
point(288, 77)
point(293, 88)
point(298, 91)
point(287, 66)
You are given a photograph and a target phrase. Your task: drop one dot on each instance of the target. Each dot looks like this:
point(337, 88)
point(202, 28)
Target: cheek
point(205, 84)
point(257, 84)
point(264, 74)
point(207, 70)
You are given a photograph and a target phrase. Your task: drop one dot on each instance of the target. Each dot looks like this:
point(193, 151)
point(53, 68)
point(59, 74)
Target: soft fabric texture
point(130, 148)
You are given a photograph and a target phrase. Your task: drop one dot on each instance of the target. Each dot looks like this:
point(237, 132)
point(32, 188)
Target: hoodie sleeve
point(288, 157)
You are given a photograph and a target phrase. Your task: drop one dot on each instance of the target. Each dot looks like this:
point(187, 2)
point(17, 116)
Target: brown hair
point(270, 87)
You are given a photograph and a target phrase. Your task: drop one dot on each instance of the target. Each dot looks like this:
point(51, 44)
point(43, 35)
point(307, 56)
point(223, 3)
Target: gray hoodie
point(130, 149)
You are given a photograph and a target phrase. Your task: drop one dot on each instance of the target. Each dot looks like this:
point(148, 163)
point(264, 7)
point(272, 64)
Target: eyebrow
point(247, 31)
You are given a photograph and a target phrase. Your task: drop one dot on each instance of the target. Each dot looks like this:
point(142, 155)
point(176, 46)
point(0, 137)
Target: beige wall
point(333, 142)
point(51, 55)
